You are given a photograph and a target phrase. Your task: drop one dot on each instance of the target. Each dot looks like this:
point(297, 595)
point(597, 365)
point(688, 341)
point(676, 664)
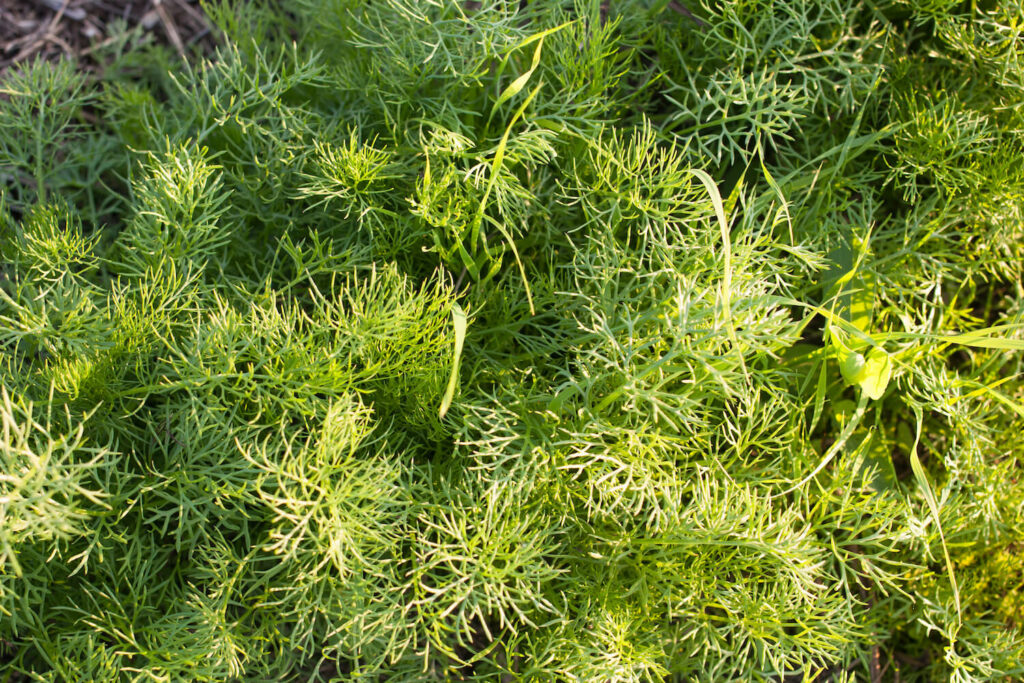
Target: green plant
point(626, 341)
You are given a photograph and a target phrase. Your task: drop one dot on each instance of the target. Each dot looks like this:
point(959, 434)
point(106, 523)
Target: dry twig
point(169, 27)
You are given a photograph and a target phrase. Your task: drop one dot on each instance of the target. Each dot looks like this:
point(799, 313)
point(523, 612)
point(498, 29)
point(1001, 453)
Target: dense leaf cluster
point(740, 389)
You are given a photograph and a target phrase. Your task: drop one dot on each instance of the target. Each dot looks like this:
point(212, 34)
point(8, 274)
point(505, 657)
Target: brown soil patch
point(78, 29)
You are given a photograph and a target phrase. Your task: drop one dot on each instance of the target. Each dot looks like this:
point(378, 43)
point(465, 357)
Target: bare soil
point(80, 29)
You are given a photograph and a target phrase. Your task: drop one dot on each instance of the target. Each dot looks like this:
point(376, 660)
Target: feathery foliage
point(519, 341)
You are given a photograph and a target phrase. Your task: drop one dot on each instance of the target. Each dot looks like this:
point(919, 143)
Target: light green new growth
point(433, 340)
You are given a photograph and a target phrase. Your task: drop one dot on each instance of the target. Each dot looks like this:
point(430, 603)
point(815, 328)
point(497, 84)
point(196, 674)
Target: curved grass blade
point(933, 506)
point(459, 321)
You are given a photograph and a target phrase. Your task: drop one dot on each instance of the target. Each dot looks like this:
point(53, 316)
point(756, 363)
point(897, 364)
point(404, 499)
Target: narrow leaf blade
point(933, 507)
point(459, 322)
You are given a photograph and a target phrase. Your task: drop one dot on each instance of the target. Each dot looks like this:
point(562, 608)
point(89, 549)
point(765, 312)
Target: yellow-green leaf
point(876, 373)
point(459, 321)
